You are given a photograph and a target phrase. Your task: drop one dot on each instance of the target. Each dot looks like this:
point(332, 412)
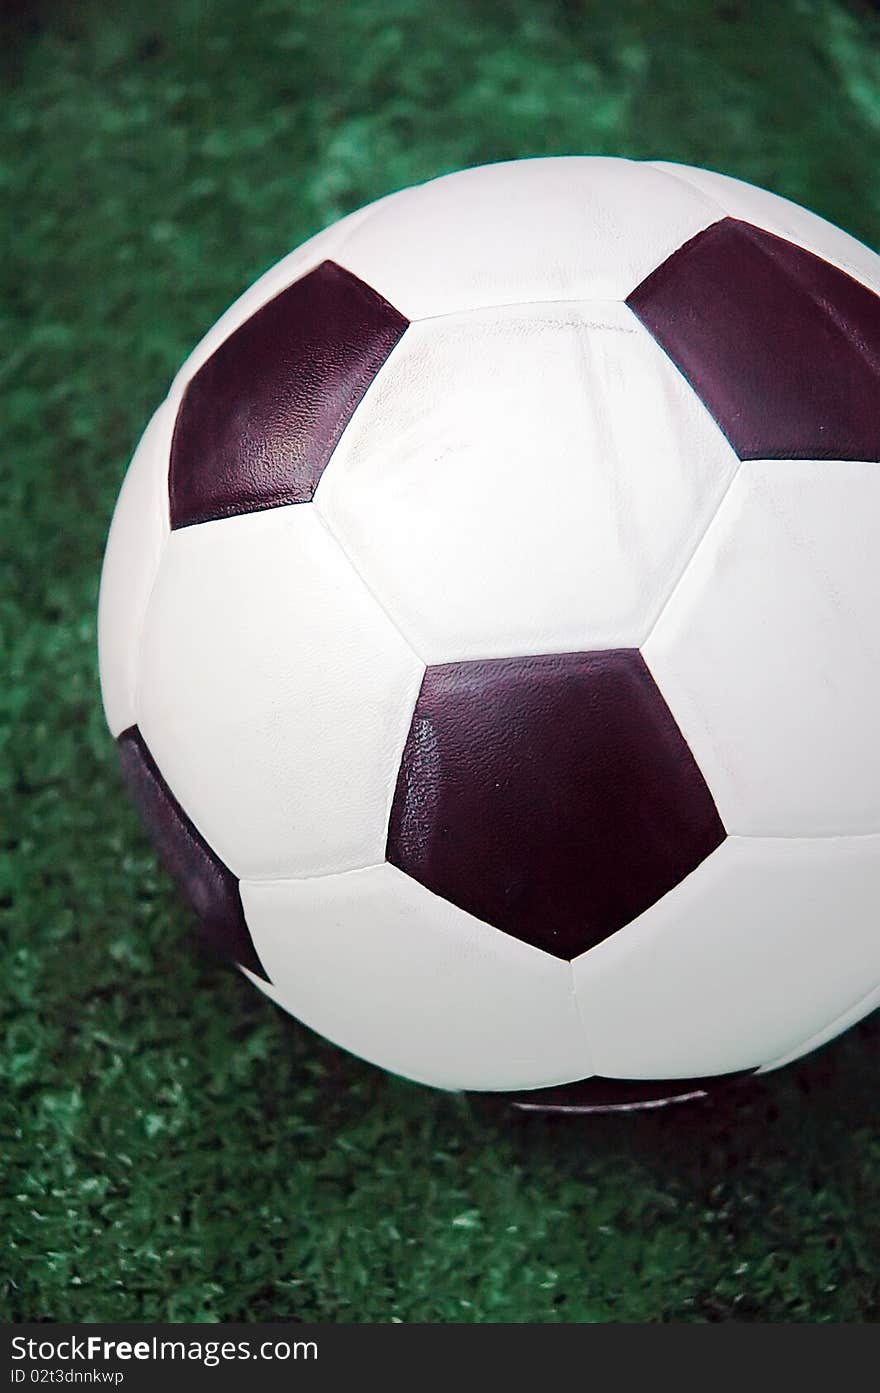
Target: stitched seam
point(579, 1016)
point(842, 263)
point(365, 583)
point(687, 565)
point(805, 1046)
point(312, 875)
point(534, 304)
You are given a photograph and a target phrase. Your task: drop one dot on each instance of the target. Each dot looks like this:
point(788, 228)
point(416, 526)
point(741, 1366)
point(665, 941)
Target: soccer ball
point(489, 628)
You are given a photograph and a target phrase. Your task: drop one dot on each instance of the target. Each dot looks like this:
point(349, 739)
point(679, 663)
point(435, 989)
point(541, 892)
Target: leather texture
point(769, 650)
point(729, 308)
point(260, 419)
point(275, 694)
point(553, 796)
point(409, 981)
point(524, 476)
point(206, 883)
point(526, 480)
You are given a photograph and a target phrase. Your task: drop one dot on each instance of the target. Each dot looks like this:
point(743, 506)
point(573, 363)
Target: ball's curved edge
point(205, 882)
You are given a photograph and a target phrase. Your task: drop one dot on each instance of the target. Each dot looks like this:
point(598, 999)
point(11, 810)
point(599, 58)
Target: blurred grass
point(174, 1147)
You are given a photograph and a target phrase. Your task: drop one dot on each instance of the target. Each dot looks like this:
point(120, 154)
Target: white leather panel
point(275, 695)
point(863, 1007)
point(404, 979)
point(574, 228)
point(764, 944)
point(768, 652)
point(525, 480)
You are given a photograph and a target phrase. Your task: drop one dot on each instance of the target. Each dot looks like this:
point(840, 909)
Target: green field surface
point(173, 1147)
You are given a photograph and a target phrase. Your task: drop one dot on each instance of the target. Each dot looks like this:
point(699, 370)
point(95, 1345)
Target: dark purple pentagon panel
point(210, 887)
point(261, 418)
point(553, 797)
point(620, 1095)
point(783, 348)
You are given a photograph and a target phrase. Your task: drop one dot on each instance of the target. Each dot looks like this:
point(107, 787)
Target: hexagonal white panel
point(782, 217)
point(764, 944)
point(404, 979)
point(527, 230)
point(525, 480)
point(138, 534)
point(274, 694)
point(768, 652)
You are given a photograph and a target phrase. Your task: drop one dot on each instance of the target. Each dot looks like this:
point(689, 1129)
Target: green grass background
point(172, 1146)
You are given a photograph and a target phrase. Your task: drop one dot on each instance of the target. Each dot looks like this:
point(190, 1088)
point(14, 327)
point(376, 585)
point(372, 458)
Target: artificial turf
point(173, 1146)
